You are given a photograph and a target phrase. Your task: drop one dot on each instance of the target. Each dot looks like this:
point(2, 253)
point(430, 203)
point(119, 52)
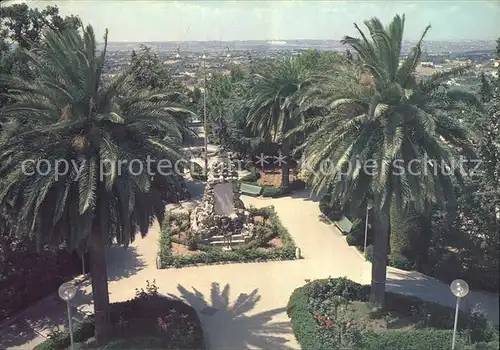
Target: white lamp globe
point(459, 288)
point(67, 291)
point(369, 204)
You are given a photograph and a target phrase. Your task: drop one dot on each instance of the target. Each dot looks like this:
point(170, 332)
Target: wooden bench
point(250, 189)
point(344, 225)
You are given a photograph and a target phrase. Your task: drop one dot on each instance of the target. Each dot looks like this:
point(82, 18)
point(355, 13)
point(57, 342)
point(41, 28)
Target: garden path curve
point(243, 305)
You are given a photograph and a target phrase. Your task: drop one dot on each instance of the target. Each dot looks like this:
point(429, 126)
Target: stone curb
point(10, 320)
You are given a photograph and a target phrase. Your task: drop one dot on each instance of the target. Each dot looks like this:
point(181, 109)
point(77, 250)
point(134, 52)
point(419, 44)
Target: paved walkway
point(243, 305)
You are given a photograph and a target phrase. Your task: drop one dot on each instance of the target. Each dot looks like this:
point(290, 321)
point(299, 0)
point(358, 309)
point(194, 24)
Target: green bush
point(369, 253)
point(433, 321)
point(417, 339)
point(211, 255)
point(147, 317)
point(137, 343)
point(330, 207)
point(399, 261)
point(304, 326)
point(165, 243)
point(60, 339)
point(268, 191)
point(354, 239)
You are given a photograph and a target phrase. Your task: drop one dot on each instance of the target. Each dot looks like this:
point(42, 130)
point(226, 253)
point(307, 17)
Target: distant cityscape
point(184, 59)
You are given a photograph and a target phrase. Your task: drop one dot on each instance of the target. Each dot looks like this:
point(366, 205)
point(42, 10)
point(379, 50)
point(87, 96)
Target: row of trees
point(336, 108)
point(327, 107)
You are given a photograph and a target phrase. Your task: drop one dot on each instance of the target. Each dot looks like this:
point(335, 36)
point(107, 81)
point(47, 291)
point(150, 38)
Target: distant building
point(427, 64)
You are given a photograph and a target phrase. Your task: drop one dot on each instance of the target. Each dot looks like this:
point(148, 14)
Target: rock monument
point(221, 218)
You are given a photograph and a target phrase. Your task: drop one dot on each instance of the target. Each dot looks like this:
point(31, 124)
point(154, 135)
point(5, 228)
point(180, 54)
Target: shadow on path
point(123, 262)
point(226, 325)
point(306, 195)
point(430, 289)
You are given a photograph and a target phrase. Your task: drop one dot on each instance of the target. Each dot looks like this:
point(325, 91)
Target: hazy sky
point(130, 20)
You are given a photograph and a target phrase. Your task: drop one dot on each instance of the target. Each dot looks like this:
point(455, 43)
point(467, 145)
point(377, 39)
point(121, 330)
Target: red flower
point(328, 323)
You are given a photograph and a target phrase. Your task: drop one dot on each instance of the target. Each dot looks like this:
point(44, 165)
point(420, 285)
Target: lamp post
point(369, 205)
point(67, 292)
point(204, 57)
point(459, 288)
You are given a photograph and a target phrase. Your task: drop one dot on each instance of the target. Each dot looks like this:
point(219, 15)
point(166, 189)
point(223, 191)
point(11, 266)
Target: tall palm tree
point(274, 102)
point(84, 193)
point(374, 130)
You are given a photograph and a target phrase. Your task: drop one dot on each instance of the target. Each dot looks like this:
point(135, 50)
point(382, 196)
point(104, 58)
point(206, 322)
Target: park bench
point(344, 225)
point(250, 189)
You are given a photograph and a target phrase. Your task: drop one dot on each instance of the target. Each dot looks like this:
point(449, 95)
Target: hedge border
point(306, 329)
point(213, 256)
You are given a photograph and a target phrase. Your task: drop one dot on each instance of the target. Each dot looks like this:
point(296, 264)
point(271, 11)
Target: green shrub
point(165, 243)
point(330, 207)
point(60, 339)
point(268, 191)
point(426, 313)
point(433, 321)
point(304, 326)
point(137, 343)
point(415, 339)
point(399, 261)
point(147, 316)
point(354, 239)
point(369, 253)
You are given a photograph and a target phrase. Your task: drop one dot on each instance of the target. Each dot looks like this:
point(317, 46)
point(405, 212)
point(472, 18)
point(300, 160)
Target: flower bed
point(273, 243)
point(333, 314)
point(149, 321)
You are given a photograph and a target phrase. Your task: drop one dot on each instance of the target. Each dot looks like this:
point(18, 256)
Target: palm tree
point(374, 130)
point(89, 191)
point(274, 102)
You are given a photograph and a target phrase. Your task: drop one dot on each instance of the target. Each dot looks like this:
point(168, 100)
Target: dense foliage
point(148, 321)
point(319, 321)
point(27, 275)
point(245, 253)
point(84, 131)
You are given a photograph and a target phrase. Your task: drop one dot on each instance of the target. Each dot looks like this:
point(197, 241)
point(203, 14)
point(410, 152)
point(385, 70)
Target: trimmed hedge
point(211, 255)
point(416, 339)
point(437, 320)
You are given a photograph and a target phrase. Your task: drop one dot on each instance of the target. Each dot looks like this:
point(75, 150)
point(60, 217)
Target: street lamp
point(369, 205)
point(204, 58)
point(459, 288)
point(67, 292)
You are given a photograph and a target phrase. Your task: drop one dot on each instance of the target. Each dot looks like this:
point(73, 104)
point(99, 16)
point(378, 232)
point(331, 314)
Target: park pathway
point(244, 305)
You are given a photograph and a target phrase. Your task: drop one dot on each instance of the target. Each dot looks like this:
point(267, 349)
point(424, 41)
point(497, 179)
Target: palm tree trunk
point(99, 278)
point(285, 167)
point(285, 174)
point(379, 263)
